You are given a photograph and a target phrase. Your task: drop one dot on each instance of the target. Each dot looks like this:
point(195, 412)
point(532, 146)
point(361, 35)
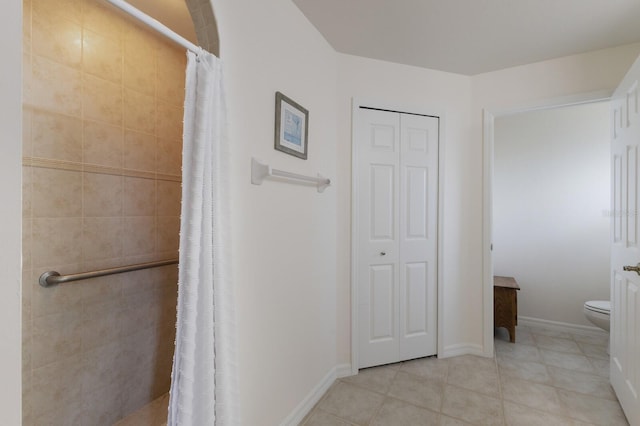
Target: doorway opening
point(541, 215)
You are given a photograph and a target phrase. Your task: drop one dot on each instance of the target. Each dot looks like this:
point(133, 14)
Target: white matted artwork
point(292, 127)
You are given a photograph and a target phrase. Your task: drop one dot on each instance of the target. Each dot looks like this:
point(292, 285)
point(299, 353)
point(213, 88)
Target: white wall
point(11, 211)
point(541, 84)
point(284, 235)
point(449, 93)
point(551, 195)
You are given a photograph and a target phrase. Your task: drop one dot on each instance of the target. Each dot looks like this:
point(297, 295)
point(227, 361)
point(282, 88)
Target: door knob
point(383, 254)
point(635, 269)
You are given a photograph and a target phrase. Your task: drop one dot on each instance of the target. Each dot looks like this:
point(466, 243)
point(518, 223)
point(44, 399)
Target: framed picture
point(292, 127)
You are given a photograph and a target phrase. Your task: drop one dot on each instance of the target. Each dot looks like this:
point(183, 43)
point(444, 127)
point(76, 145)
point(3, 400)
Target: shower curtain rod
point(154, 24)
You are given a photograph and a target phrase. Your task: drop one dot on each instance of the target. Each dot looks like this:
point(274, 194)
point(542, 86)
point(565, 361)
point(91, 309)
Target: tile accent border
point(46, 163)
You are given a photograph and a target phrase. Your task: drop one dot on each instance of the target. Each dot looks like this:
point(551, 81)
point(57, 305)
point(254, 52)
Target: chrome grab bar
point(52, 278)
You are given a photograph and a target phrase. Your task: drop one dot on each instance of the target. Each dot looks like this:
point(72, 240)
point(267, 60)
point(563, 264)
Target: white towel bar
point(260, 171)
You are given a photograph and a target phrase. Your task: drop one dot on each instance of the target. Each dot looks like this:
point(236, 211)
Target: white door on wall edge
point(625, 246)
point(397, 214)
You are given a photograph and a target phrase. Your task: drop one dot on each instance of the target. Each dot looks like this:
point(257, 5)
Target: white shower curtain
point(203, 381)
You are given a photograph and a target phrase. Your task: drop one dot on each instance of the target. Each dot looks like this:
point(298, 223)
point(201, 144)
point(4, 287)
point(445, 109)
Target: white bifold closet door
point(397, 196)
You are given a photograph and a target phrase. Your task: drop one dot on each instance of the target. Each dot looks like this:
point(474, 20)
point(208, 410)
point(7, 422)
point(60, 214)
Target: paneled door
point(397, 195)
point(625, 246)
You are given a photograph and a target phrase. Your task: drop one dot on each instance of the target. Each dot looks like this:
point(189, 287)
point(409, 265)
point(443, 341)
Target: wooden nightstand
point(505, 304)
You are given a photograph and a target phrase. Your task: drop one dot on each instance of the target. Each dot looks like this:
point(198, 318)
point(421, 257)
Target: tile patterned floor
point(547, 378)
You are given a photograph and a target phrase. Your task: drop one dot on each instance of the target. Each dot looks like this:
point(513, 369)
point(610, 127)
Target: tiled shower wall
point(102, 144)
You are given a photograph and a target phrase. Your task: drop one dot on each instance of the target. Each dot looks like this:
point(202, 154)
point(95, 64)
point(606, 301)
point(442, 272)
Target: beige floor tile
point(544, 331)
point(557, 344)
point(376, 379)
point(600, 366)
point(431, 367)
point(592, 338)
point(569, 361)
point(518, 351)
point(321, 418)
point(450, 421)
point(474, 373)
point(594, 351)
point(592, 410)
point(584, 383)
point(533, 395)
point(351, 403)
point(472, 407)
point(395, 412)
point(525, 370)
point(417, 390)
point(518, 415)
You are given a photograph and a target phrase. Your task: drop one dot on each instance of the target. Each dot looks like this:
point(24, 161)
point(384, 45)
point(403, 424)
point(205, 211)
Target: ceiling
point(472, 36)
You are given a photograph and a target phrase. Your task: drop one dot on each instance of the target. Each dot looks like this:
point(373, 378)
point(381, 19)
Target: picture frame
point(292, 127)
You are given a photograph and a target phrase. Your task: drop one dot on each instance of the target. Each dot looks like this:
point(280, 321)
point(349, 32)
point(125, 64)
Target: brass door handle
point(635, 269)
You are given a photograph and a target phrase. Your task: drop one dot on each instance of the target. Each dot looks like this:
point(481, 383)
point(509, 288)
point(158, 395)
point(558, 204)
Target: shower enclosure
point(103, 111)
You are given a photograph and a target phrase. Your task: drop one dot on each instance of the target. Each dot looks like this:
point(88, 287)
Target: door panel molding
point(436, 270)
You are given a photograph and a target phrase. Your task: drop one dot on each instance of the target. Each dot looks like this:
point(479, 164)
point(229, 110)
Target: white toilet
point(598, 312)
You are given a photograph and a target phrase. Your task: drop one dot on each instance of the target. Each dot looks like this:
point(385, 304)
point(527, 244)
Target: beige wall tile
point(139, 281)
point(138, 389)
point(140, 61)
point(102, 195)
point(169, 120)
point(169, 156)
point(27, 81)
point(103, 144)
point(55, 241)
point(102, 238)
point(140, 151)
point(26, 244)
point(56, 136)
point(58, 299)
point(102, 100)
point(102, 366)
point(102, 56)
point(169, 198)
point(57, 386)
point(26, 26)
point(102, 288)
point(168, 233)
point(103, 19)
point(27, 146)
point(139, 312)
point(102, 406)
point(55, 337)
point(140, 196)
point(100, 323)
point(139, 112)
point(65, 413)
point(56, 38)
point(27, 177)
point(139, 235)
point(54, 87)
point(67, 9)
point(171, 75)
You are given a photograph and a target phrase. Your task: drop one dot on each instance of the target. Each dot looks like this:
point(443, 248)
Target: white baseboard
point(558, 326)
point(313, 397)
point(463, 349)
point(343, 370)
